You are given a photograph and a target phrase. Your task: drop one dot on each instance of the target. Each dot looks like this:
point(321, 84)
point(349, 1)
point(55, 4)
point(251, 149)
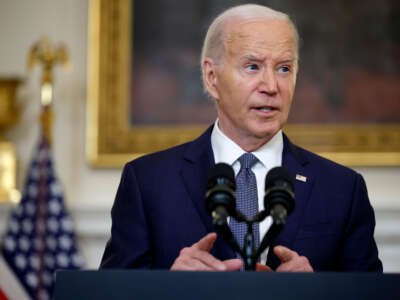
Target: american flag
point(39, 237)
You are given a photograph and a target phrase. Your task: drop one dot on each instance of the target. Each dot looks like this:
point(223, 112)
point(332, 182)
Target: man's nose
point(269, 83)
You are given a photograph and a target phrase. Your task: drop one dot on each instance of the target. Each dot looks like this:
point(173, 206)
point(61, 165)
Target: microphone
point(278, 202)
point(220, 194)
point(279, 194)
point(221, 201)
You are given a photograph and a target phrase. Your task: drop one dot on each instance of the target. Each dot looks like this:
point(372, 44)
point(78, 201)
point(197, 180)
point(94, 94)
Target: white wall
point(90, 192)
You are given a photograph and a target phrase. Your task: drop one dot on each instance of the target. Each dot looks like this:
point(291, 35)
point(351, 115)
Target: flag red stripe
point(3, 295)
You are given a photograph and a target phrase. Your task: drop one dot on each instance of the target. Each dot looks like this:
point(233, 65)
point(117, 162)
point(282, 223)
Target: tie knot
point(247, 160)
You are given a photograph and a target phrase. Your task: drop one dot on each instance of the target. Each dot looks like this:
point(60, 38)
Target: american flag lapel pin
point(301, 178)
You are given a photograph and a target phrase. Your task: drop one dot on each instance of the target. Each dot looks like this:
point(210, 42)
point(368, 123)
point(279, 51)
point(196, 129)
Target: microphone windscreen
point(279, 176)
point(221, 188)
point(279, 189)
point(221, 170)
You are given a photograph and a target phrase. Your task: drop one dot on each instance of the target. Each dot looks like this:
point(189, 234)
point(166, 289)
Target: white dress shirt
point(269, 156)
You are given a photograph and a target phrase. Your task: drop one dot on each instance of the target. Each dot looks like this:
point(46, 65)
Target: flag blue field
point(39, 238)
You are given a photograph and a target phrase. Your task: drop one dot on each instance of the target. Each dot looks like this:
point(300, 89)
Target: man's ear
point(210, 77)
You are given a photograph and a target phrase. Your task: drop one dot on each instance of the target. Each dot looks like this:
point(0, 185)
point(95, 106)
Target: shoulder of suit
point(175, 154)
point(324, 164)
point(169, 155)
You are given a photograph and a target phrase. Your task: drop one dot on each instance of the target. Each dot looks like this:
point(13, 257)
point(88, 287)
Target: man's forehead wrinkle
point(243, 40)
point(247, 46)
point(236, 42)
point(235, 36)
point(256, 37)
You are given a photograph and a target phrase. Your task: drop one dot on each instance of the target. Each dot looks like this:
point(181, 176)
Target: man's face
point(255, 83)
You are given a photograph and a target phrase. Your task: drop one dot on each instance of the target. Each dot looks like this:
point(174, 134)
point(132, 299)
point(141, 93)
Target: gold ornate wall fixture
point(9, 115)
point(112, 141)
point(47, 55)
point(9, 111)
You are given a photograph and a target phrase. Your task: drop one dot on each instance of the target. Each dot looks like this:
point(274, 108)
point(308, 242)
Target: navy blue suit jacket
point(160, 209)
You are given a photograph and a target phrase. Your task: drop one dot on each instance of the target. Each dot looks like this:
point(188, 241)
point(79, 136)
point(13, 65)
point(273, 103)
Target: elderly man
point(249, 64)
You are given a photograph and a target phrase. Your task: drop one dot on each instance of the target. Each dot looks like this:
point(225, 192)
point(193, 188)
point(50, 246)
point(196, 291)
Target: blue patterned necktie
point(246, 198)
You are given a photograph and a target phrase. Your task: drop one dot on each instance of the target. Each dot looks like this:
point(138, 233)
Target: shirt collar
point(227, 151)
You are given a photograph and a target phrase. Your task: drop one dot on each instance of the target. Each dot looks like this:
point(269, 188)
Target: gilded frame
point(111, 141)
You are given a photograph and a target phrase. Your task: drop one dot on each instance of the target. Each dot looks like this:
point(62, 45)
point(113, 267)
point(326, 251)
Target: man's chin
point(267, 132)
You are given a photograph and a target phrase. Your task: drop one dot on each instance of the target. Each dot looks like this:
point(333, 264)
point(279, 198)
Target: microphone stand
point(249, 253)
point(249, 248)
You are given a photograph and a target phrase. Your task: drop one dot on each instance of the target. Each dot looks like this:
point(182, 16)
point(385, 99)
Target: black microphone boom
point(278, 202)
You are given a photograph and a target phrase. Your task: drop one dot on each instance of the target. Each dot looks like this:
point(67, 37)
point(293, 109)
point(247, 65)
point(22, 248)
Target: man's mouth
point(265, 109)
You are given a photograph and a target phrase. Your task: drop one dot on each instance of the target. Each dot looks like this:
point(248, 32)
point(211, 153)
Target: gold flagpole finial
point(43, 52)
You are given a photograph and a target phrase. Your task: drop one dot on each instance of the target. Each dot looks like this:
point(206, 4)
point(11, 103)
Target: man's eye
point(252, 67)
point(284, 69)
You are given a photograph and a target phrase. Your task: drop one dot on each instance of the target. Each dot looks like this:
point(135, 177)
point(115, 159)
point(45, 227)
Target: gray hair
point(213, 46)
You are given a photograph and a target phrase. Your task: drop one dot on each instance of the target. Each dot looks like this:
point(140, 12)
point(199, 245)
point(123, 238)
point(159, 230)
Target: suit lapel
point(296, 163)
point(198, 159)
